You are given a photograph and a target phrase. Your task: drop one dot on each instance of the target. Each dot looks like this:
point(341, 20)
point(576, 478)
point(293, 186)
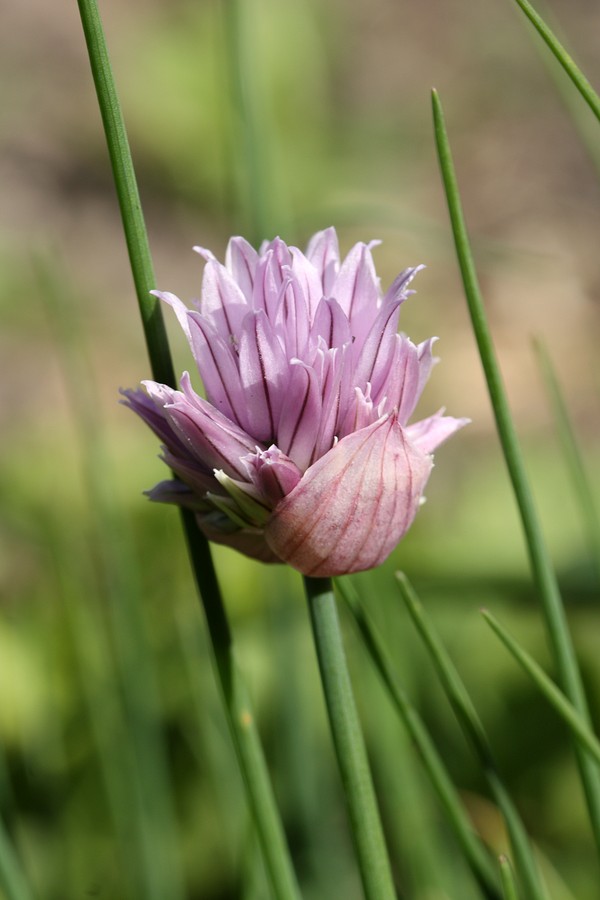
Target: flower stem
point(239, 715)
point(349, 743)
point(12, 877)
point(543, 572)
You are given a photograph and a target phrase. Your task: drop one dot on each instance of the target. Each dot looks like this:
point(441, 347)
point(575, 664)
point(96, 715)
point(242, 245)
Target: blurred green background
point(114, 756)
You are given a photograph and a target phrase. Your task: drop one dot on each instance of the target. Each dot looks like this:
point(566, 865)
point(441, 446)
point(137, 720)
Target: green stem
point(349, 742)
point(473, 729)
point(579, 477)
point(543, 572)
point(239, 715)
point(573, 71)
point(508, 882)
point(545, 684)
point(127, 192)
point(12, 878)
point(480, 862)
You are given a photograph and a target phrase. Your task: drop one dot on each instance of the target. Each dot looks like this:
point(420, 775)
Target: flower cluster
point(301, 451)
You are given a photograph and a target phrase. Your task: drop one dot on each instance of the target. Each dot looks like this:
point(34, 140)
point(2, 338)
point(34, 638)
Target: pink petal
point(398, 289)
point(353, 505)
point(207, 436)
point(152, 412)
point(377, 350)
point(401, 388)
point(273, 473)
point(356, 287)
point(241, 260)
point(178, 493)
point(217, 366)
point(430, 433)
point(291, 320)
point(331, 323)
point(263, 374)
point(300, 416)
point(223, 303)
point(309, 278)
point(324, 253)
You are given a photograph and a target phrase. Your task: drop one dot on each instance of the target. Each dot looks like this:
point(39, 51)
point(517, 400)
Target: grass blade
point(508, 882)
point(12, 878)
point(543, 572)
point(349, 743)
point(573, 71)
point(545, 684)
point(579, 477)
point(471, 725)
point(237, 707)
point(479, 860)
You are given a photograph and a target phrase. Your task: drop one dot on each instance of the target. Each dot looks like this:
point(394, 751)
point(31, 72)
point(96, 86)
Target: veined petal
point(398, 289)
point(298, 426)
point(196, 475)
point(430, 433)
point(309, 278)
point(241, 260)
point(273, 473)
point(356, 287)
point(375, 354)
point(263, 375)
point(291, 320)
point(223, 303)
point(217, 365)
point(336, 393)
point(401, 387)
point(426, 361)
point(324, 253)
point(209, 437)
point(353, 505)
point(178, 493)
point(331, 323)
point(152, 412)
point(269, 277)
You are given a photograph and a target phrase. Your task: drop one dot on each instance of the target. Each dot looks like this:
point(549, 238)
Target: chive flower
point(301, 452)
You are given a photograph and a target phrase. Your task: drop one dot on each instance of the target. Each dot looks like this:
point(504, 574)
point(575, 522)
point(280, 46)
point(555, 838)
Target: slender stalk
point(579, 477)
point(543, 572)
point(555, 697)
point(349, 743)
point(479, 861)
point(573, 71)
point(12, 878)
point(508, 882)
point(473, 729)
point(239, 715)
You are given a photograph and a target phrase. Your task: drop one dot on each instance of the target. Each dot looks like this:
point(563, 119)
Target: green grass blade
point(240, 719)
point(579, 477)
point(573, 71)
point(508, 882)
point(127, 193)
point(478, 859)
point(349, 743)
point(543, 572)
point(144, 754)
point(471, 725)
point(545, 684)
point(13, 883)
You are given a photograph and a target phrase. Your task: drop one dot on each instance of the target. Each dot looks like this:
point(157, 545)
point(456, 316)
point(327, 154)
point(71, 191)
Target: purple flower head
point(301, 451)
